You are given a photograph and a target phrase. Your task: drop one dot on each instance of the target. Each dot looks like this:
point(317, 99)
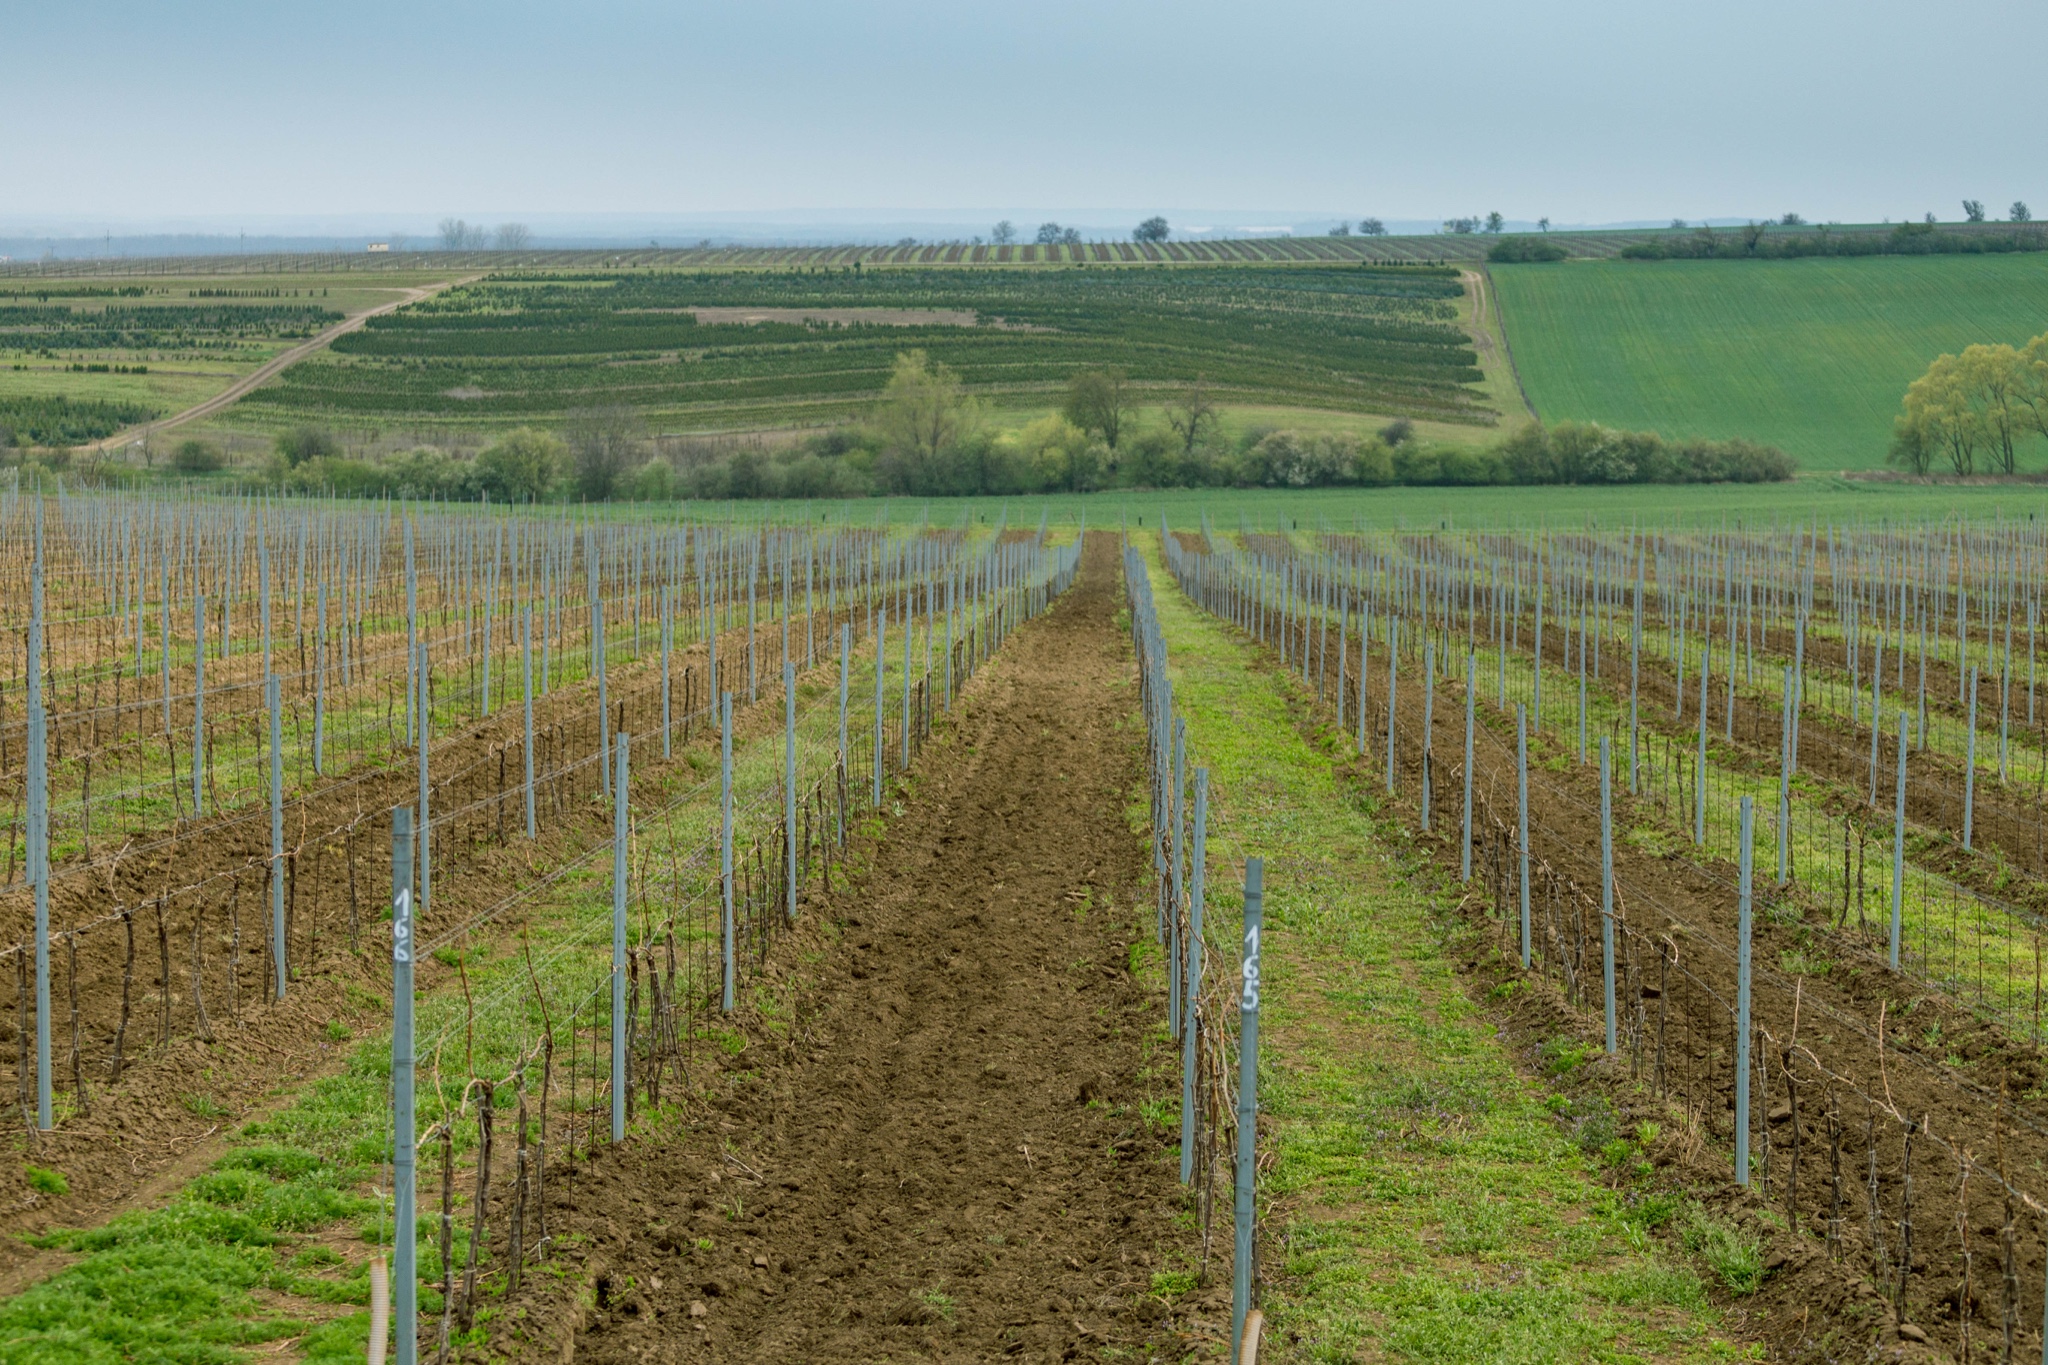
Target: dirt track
point(938, 1151)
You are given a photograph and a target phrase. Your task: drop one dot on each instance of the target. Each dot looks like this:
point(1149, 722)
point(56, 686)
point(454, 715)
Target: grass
point(1425, 1202)
point(1810, 355)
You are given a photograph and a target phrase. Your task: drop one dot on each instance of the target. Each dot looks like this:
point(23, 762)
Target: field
point(125, 350)
point(1810, 355)
point(531, 347)
point(902, 1003)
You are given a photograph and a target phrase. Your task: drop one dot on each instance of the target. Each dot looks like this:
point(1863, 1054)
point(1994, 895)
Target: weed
point(338, 1032)
point(1735, 1257)
point(1170, 1283)
point(939, 1303)
point(205, 1106)
point(45, 1181)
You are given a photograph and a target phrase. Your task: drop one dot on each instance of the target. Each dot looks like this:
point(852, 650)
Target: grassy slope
point(1810, 355)
point(1422, 1205)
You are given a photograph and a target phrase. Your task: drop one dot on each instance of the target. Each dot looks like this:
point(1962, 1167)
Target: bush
point(195, 456)
point(306, 443)
point(521, 466)
point(1524, 249)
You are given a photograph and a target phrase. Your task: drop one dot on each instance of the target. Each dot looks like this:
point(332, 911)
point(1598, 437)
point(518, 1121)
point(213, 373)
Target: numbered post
point(404, 1244)
point(1190, 1018)
point(1247, 1100)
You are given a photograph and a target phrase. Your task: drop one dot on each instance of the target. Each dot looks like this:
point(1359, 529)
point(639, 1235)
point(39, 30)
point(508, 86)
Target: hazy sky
point(1585, 111)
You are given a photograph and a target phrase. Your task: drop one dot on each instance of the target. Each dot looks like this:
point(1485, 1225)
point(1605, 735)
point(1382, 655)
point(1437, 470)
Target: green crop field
point(813, 346)
point(1810, 355)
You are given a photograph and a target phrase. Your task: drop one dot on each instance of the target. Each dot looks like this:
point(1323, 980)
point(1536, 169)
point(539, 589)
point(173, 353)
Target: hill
point(1809, 355)
point(706, 349)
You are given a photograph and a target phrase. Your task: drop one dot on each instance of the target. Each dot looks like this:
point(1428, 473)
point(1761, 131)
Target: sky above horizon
point(1594, 111)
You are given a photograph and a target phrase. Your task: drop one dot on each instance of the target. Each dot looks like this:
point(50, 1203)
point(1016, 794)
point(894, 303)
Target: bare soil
point(927, 1140)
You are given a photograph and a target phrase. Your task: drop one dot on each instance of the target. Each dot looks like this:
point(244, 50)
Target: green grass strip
point(1425, 1203)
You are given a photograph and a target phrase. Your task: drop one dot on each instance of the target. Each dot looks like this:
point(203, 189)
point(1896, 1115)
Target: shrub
point(1524, 249)
point(521, 466)
point(306, 443)
point(195, 456)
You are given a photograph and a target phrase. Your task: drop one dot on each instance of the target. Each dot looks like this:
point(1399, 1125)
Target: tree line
point(1972, 413)
point(1755, 241)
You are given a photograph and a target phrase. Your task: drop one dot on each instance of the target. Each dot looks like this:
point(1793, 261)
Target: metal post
point(423, 707)
point(1176, 812)
point(1428, 728)
point(526, 668)
point(1393, 678)
point(1190, 1019)
point(198, 705)
point(789, 780)
point(404, 1152)
point(1899, 846)
point(667, 637)
point(909, 629)
point(1742, 1002)
point(881, 667)
point(845, 669)
point(725, 841)
point(1607, 887)
point(1785, 780)
point(1970, 764)
point(1471, 680)
point(39, 828)
point(1522, 815)
point(621, 1082)
point(1699, 770)
point(1247, 1100)
point(320, 688)
point(277, 943)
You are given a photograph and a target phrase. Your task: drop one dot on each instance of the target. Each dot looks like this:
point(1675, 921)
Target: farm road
point(278, 364)
point(940, 1155)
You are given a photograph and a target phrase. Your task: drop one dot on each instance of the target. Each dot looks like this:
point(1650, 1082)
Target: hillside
point(727, 349)
point(1810, 355)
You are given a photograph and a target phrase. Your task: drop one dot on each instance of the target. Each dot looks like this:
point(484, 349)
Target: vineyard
point(1430, 248)
point(531, 347)
point(632, 937)
point(1748, 825)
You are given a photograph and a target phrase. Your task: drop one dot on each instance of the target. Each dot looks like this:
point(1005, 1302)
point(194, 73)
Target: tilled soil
point(1813, 1306)
point(935, 1150)
point(141, 1138)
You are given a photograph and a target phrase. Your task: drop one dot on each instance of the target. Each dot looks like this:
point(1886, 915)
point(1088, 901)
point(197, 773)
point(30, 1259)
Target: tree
point(1100, 401)
point(1994, 380)
point(1752, 237)
point(521, 465)
point(1371, 227)
point(1495, 224)
point(301, 444)
point(2019, 213)
point(604, 442)
point(514, 236)
point(1461, 225)
point(1679, 225)
point(1049, 234)
point(1939, 421)
point(196, 457)
point(2033, 394)
point(1791, 220)
point(457, 235)
point(1973, 210)
point(1153, 229)
point(1191, 413)
point(1341, 230)
point(1543, 225)
point(924, 414)
point(1003, 233)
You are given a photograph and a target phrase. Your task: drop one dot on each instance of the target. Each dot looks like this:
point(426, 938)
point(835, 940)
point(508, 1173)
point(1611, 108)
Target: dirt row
point(184, 1079)
point(1849, 1108)
point(927, 1140)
